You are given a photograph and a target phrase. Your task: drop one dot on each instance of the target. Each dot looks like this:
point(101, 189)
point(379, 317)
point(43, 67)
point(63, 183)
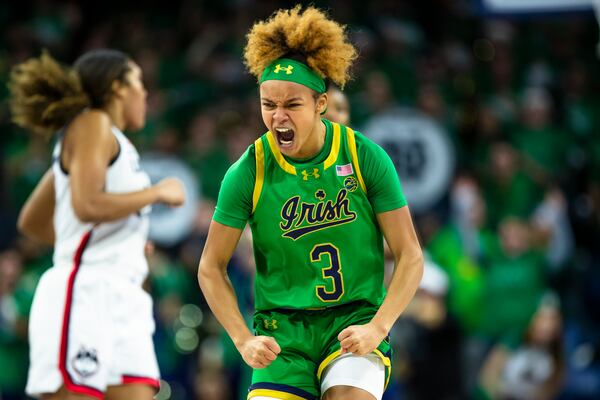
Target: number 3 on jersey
point(332, 271)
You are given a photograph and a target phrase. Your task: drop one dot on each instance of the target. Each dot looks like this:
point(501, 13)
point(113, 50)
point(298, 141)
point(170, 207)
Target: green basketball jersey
point(316, 239)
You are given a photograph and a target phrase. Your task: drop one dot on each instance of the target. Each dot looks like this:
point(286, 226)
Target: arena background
point(489, 109)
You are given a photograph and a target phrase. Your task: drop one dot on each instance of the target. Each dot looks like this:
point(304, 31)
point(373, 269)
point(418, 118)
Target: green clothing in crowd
point(466, 272)
point(513, 288)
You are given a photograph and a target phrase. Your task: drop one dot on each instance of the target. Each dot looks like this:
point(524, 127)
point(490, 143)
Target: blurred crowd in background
point(509, 306)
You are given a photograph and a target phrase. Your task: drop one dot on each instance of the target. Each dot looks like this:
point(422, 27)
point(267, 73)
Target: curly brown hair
point(44, 95)
point(305, 35)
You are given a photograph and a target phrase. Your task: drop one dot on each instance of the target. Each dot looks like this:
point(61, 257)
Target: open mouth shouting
point(285, 137)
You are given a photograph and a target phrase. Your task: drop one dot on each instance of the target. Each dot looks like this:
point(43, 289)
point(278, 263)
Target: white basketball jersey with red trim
point(115, 247)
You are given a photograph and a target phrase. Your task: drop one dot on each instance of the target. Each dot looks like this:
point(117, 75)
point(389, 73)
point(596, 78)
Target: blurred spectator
point(462, 248)
point(14, 309)
point(579, 104)
point(376, 98)
point(478, 137)
point(429, 342)
point(514, 284)
point(532, 369)
point(431, 103)
point(502, 79)
point(541, 143)
point(205, 154)
point(338, 108)
point(507, 189)
point(553, 230)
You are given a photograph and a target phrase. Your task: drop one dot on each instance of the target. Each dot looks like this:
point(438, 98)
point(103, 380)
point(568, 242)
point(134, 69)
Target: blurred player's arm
point(35, 218)
point(91, 147)
point(257, 351)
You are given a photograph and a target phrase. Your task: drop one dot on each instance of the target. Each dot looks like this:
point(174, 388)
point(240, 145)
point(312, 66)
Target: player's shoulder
point(91, 122)
point(94, 118)
point(90, 126)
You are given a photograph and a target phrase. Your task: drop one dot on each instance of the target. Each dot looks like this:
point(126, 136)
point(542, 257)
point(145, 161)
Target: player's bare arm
point(257, 351)
point(400, 235)
point(89, 147)
point(35, 218)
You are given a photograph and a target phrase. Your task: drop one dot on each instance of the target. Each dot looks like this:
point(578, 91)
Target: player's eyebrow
point(267, 100)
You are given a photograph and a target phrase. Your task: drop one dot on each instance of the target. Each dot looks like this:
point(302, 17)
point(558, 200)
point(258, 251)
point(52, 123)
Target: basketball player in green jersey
point(318, 197)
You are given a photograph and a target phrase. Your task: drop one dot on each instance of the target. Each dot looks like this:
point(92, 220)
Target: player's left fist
point(361, 339)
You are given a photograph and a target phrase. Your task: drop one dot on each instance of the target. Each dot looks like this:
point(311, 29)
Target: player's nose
point(280, 115)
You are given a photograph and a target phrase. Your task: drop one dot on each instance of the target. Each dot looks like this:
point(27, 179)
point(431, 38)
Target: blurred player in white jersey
point(91, 322)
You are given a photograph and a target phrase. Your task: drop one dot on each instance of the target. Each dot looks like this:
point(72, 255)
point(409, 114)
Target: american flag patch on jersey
point(344, 170)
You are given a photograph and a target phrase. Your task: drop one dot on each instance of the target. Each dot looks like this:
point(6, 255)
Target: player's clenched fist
point(360, 339)
point(259, 351)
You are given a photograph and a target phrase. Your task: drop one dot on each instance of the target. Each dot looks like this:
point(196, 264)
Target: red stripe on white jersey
point(155, 383)
point(64, 340)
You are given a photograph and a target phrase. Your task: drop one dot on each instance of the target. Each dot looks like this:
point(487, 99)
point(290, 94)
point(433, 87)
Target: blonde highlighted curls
point(309, 34)
point(44, 95)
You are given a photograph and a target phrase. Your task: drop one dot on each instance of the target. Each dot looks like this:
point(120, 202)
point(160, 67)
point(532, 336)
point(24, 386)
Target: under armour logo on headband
point(288, 69)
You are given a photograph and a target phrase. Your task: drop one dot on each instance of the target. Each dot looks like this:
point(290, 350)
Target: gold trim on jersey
point(335, 147)
point(259, 155)
point(330, 358)
point(354, 154)
point(286, 166)
point(276, 394)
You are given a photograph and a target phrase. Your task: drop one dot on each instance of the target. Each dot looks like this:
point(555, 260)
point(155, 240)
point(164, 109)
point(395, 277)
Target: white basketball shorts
point(88, 331)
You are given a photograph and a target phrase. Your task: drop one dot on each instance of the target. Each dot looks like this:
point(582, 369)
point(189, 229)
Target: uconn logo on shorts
point(85, 362)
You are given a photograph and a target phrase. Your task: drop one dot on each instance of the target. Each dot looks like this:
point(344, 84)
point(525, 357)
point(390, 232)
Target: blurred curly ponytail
point(44, 95)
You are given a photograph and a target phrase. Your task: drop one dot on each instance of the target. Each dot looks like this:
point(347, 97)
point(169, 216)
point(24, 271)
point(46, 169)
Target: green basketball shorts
point(308, 341)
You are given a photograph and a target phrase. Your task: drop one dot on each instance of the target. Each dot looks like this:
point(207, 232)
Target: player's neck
point(115, 112)
point(316, 142)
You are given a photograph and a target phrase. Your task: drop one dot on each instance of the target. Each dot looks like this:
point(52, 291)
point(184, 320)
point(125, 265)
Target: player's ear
point(118, 88)
point(322, 103)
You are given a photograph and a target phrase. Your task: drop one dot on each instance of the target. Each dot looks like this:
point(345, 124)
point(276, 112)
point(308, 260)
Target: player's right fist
point(259, 351)
point(170, 191)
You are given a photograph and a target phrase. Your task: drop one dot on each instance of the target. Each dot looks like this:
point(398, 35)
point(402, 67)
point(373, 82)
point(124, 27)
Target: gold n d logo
point(314, 174)
point(288, 69)
point(270, 324)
